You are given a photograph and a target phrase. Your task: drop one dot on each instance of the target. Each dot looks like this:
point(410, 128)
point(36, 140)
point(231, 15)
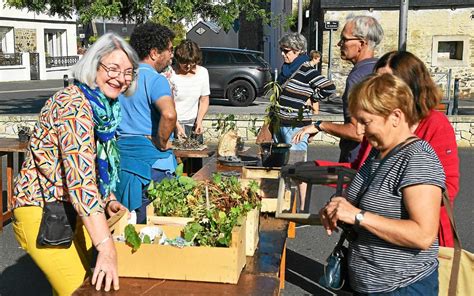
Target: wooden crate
point(260, 172)
point(204, 264)
point(251, 234)
point(269, 193)
point(153, 219)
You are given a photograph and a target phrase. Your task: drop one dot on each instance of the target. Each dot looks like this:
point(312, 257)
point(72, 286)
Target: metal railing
point(11, 59)
point(63, 61)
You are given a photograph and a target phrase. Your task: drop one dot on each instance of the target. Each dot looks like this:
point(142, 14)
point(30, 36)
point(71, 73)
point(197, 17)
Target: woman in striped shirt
point(394, 200)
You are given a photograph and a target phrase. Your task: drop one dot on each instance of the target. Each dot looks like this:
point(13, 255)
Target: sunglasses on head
point(285, 50)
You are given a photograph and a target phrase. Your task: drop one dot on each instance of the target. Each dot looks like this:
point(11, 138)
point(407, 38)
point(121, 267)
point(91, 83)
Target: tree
point(139, 11)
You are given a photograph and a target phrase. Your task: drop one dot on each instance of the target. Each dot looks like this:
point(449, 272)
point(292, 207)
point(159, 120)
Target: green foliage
point(272, 93)
point(131, 237)
point(225, 123)
point(213, 221)
point(170, 196)
point(146, 239)
point(170, 12)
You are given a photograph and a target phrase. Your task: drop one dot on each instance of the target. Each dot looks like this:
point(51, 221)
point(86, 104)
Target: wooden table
point(194, 159)
point(8, 147)
point(260, 276)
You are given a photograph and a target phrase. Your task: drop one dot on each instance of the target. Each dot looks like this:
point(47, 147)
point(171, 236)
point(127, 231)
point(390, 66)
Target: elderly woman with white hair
point(72, 159)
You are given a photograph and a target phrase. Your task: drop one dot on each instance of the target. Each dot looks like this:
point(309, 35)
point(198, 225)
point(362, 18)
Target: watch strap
point(317, 125)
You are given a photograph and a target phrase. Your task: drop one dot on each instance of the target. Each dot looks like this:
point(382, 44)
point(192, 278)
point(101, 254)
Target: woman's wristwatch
point(317, 125)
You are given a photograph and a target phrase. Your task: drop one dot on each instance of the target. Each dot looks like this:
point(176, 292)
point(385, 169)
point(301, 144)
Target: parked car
point(239, 75)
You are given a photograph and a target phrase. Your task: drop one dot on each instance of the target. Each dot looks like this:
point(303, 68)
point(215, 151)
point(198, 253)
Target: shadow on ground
point(15, 282)
point(28, 105)
point(304, 272)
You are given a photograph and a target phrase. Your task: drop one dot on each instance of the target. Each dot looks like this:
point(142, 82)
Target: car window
point(217, 58)
point(242, 58)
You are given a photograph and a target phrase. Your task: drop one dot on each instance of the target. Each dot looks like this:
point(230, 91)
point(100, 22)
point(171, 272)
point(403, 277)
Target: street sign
point(331, 25)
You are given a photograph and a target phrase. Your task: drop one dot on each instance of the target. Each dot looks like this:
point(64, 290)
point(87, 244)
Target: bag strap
point(349, 231)
point(453, 281)
point(37, 178)
point(291, 77)
point(408, 141)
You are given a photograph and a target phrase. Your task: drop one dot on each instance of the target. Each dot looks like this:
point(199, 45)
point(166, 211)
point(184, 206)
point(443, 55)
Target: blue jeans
point(285, 135)
point(425, 287)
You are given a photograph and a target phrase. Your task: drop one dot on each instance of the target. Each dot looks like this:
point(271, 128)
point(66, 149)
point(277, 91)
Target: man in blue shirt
point(148, 119)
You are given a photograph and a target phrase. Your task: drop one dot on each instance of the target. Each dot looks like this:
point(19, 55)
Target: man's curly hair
point(147, 36)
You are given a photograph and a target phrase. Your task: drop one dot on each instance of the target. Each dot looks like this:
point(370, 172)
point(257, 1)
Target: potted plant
point(272, 154)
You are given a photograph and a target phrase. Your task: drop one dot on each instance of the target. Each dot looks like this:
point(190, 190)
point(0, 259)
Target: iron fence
point(11, 59)
point(62, 61)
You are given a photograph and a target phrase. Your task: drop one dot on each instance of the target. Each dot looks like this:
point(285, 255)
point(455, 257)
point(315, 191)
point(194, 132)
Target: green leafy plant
point(170, 196)
point(224, 123)
point(217, 205)
point(131, 238)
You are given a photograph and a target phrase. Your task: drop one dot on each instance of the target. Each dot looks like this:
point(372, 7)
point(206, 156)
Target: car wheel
point(240, 93)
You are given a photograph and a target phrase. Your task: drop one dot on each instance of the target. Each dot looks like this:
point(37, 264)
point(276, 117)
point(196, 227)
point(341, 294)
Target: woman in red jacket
point(433, 126)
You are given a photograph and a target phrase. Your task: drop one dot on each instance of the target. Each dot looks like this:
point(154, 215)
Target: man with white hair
point(359, 38)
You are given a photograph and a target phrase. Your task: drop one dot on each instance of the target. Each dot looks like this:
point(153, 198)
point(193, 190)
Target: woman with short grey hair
point(294, 41)
point(303, 87)
point(73, 157)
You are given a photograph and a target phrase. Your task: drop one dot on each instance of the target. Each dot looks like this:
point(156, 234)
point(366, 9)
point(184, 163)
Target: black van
point(238, 75)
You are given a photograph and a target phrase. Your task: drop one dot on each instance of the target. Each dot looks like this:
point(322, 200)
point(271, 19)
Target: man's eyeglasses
point(128, 74)
point(344, 39)
point(285, 50)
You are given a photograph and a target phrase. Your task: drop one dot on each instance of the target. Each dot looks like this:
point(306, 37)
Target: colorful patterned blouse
point(63, 146)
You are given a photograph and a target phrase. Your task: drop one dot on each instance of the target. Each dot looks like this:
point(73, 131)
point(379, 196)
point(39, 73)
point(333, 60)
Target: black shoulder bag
point(335, 271)
point(58, 222)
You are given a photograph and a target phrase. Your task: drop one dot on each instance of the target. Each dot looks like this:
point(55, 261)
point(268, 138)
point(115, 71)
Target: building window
point(450, 51)
point(7, 40)
point(55, 43)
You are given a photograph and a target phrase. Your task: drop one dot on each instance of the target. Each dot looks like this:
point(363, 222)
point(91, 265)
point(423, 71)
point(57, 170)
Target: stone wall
point(25, 40)
point(463, 127)
point(425, 27)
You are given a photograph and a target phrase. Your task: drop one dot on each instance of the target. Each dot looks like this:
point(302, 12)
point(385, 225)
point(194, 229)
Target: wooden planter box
point(251, 233)
point(268, 179)
point(204, 264)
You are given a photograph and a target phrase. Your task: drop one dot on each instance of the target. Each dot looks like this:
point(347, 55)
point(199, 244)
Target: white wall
point(16, 73)
point(22, 19)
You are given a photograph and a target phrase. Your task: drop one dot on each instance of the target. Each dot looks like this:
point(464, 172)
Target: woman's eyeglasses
point(285, 50)
point(128, 74)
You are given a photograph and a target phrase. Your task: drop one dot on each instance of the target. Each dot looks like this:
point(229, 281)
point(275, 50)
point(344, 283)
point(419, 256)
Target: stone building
point(441, 33)
point(35, 46)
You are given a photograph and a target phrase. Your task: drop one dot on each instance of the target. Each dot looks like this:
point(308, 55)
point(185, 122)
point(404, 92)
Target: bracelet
point(107, 203)
point(102, 241)
point(317, 125)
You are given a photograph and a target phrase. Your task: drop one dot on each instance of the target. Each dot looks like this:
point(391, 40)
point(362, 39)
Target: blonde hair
point(380, 94)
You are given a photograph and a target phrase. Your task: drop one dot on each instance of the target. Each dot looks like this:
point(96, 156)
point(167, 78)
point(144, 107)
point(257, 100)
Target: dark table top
point(12, 145)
